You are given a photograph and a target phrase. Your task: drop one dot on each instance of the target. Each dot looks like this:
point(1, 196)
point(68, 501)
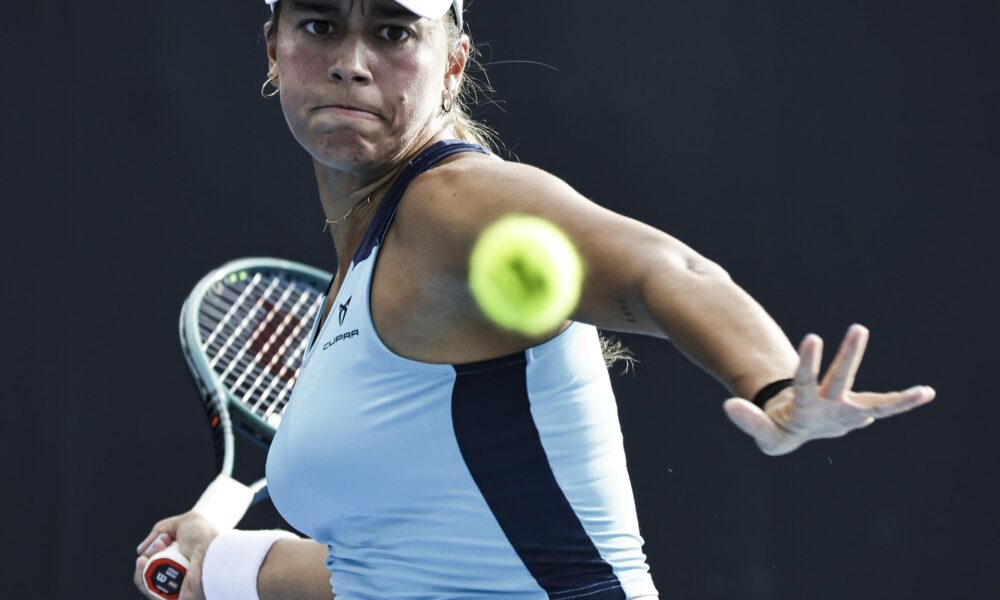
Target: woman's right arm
point(295, 569)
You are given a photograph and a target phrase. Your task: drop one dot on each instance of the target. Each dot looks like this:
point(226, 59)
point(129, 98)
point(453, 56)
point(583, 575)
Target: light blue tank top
point(504, 477)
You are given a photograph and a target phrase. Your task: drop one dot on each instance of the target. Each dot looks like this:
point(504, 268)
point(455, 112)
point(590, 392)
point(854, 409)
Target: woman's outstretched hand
point(811, 409)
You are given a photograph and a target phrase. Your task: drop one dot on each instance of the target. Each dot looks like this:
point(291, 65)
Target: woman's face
point(361, 80)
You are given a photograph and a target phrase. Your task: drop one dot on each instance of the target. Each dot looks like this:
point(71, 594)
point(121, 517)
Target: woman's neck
point(350, 199)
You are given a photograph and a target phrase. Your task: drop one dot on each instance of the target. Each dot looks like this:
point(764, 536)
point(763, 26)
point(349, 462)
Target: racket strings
point(227, 321)
point(258, 320)
point(250, 339)
point(220, 288)
point(294, 347)
point(287, 333)
point(273, 344)
point(268, 342)
point(235, 334)
point(256, 335)
point(282, 379)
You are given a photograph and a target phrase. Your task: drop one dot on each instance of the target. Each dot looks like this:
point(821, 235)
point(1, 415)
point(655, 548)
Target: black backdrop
point(838, 158)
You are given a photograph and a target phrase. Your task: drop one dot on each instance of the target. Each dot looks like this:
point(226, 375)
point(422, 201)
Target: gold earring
point(271, 79)
point(449, 101)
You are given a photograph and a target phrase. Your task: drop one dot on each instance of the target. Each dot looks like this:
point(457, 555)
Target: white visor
point(428, 9)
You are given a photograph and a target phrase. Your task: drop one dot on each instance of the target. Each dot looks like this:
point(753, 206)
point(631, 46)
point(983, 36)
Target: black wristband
point(771, 390)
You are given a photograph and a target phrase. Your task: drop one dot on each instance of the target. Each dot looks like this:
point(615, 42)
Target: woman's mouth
point(345, 110)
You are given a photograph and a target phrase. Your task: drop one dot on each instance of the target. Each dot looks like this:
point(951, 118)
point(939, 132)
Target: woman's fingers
point(753, 421)
point(158, 544)
point(840, 376)
point(144, 544)
point(810, 353)
point(880, 406)
point(161, 541)
point(140, 565)
point(166, 527)
point(137, 577)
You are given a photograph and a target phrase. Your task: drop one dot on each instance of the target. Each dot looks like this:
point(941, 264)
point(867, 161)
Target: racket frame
point(225, 411)
point(226, 500)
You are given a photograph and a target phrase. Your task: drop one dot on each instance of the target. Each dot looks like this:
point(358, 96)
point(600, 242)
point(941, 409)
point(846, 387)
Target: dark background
point(839, 159)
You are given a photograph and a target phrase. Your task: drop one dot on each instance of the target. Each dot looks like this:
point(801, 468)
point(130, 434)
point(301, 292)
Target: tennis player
point(426, 453)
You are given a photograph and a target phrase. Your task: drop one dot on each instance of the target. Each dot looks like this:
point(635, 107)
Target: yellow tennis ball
point(525, 274)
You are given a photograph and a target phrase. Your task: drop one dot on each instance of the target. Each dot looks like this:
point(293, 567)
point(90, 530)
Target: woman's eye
point(393, 33)
point(318, 27)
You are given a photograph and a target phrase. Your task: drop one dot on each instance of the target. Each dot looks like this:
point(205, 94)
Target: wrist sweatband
point(232, 561)
point(769, 391)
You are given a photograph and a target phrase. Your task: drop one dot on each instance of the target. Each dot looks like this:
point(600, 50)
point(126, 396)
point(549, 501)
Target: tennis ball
point(525, 274)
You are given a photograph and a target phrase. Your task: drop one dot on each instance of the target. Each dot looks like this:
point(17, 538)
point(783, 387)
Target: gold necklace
point(388, 179)
point(353, 208)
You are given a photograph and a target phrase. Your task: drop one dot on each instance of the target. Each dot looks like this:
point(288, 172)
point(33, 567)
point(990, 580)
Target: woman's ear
point(272, 46)
point(457, 59)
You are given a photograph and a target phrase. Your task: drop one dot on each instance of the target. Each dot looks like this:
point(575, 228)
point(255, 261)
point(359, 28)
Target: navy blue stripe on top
point(423, 162)
point(377, 229)
point(503, 450)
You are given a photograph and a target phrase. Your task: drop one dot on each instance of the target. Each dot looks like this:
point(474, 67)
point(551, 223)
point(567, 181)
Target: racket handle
point(165, 572)
point(223, 503)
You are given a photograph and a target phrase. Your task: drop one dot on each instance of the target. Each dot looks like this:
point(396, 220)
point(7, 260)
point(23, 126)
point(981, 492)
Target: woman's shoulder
point(466, 168)
point(474, 185)
point(446, 208)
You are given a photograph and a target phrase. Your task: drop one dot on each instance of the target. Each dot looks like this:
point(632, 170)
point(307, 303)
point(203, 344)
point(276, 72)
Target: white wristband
point(232, 561)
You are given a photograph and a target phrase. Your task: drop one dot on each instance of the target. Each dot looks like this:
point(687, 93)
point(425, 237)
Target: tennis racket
point(244, 330)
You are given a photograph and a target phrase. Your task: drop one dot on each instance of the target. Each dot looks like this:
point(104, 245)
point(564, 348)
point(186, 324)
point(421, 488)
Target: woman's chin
point(343, 147)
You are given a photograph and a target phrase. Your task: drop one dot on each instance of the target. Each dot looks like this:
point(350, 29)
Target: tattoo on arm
point(627, 311)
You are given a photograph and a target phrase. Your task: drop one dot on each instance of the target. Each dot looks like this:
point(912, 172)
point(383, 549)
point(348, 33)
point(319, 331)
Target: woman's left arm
point(642, 280)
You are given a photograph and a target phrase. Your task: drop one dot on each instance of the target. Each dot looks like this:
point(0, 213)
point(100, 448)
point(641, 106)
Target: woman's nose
point(349, 65)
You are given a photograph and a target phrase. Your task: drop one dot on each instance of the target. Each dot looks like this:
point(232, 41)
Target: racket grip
point(223, 503)
point(165, 572)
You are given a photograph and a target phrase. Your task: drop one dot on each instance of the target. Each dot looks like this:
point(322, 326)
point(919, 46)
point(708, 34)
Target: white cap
point(428, 9)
